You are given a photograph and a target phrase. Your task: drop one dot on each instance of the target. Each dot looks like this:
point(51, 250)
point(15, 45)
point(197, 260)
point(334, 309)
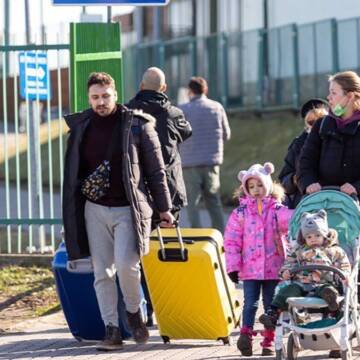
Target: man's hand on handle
point(167, 219)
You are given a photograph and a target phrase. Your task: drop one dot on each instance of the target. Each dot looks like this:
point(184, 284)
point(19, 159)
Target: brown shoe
point(112, 339)
point(244, 344)
point(138, 327)
point(330, 296)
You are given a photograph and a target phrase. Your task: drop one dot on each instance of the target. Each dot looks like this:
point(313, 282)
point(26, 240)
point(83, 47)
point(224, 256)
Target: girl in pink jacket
point(254, 241)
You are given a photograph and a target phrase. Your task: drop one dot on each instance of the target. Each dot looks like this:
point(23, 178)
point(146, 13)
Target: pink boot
point(268, 338)
point(244, 342)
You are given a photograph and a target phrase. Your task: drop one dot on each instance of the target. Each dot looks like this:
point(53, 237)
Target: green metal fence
point(253, 70)
point(31, 147)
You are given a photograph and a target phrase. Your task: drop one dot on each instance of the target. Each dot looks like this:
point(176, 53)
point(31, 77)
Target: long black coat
point(331, 156)
point(173, 129)
point(288, 171)
point(143, 174)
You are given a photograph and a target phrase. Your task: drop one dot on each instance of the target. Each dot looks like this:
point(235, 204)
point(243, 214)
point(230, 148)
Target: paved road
point(49, 338)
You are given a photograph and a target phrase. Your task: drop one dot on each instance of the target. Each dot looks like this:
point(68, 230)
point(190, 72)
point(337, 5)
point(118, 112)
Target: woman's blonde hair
point(349, 82)
point(318, 113)
point(278, 192)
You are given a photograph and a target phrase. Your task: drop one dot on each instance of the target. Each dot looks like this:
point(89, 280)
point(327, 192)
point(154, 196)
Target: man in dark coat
point(114, 229)
point(171, 126)
point(173, 129)
point(311, 111)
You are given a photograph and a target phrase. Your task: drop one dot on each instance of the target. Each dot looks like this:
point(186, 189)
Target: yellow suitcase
point(191, 294)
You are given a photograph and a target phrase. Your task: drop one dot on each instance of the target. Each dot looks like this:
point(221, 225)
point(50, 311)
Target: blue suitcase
point(77, 296)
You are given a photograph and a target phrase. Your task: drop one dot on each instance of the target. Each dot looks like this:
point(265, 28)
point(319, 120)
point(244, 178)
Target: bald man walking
point(172, 129)
point(171, 126)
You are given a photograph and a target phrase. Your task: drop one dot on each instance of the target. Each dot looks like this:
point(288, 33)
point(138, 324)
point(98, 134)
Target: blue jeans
point(252, 290)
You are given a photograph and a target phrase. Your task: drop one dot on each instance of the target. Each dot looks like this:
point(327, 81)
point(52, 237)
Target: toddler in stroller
point(322, 270)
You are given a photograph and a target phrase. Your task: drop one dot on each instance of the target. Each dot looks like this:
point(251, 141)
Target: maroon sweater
point(93, 151)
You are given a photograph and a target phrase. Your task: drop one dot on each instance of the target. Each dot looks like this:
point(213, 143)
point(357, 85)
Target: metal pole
point(27, 22)
point(109, 16)
point(156, 23)
point(265, 50)
point(7, 32)
point(43, 40)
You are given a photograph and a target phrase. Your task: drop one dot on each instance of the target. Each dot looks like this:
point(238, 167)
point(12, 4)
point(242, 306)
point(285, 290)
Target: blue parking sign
point(34, 79)
point(110, 2)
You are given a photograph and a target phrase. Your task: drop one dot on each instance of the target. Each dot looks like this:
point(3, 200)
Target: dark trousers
point(295, 290)
point(252, 289)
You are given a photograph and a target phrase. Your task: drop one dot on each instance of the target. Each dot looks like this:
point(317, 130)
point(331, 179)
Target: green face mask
point(339, 110)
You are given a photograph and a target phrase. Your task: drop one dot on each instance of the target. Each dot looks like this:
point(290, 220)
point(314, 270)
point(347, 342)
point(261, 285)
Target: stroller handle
point(337, 188)
point(318, 267)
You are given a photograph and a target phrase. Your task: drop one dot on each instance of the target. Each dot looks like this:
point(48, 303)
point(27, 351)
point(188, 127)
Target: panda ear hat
point(260, 172)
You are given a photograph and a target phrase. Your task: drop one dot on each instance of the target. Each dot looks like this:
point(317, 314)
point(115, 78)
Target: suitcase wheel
point(226, 340)
point(166, 339)
point(78, 338)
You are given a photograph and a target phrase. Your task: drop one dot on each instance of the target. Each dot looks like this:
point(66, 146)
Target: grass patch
point(26, 292)
point(256, 140)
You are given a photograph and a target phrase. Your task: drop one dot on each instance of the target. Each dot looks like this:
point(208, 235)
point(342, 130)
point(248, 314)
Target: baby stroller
point(311, 326)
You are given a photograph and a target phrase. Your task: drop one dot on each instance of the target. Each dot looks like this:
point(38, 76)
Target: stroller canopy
point(343, 215)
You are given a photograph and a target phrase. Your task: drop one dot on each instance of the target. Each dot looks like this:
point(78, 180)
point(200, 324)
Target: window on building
point(177, 25)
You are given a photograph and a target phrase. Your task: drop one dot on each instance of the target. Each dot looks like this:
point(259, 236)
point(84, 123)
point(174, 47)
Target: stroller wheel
point(345, 355)
point(292, 350)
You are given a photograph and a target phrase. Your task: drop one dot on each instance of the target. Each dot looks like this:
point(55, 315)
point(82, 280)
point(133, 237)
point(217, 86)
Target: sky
point(56, 18)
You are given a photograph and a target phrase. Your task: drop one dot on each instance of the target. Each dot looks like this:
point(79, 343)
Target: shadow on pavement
point(39, 348)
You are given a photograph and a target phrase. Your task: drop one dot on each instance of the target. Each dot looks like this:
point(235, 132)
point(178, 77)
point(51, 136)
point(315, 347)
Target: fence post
point(260, 80)
point(93, 47)
point(223, 67)
point(296, 82)
point(335, 47)
point(193, 60)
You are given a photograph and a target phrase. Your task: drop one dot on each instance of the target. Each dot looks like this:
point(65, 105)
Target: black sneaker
point(112, 339)
point(150, 321)
point(138, 327)
point(269, 320)
point(267, 352)
point(334, 354)
point(330, 296)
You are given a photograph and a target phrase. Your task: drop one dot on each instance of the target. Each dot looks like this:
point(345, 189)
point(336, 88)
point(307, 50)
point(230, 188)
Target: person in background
point(203, 153)
point(311, 111)
point(172, 129)
point(255, 245)
point(331, 153)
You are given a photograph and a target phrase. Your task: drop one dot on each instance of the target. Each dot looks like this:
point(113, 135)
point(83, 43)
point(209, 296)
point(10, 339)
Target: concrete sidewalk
point(49, 338)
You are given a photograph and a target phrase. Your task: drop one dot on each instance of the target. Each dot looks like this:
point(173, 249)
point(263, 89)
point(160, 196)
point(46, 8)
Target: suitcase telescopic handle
point(179, 237)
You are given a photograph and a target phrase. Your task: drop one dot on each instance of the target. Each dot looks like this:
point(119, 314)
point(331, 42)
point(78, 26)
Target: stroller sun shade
point(343, 216)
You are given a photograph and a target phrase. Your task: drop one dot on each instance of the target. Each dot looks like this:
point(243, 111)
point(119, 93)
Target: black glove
point(234, 276)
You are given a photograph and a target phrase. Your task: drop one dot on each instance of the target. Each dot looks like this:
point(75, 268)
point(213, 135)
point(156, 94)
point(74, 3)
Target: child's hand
point(345, 282)
point(234, 276)
point(286, 275)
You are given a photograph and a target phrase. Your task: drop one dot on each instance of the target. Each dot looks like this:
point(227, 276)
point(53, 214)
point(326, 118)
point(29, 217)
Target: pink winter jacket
point(254, 244)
